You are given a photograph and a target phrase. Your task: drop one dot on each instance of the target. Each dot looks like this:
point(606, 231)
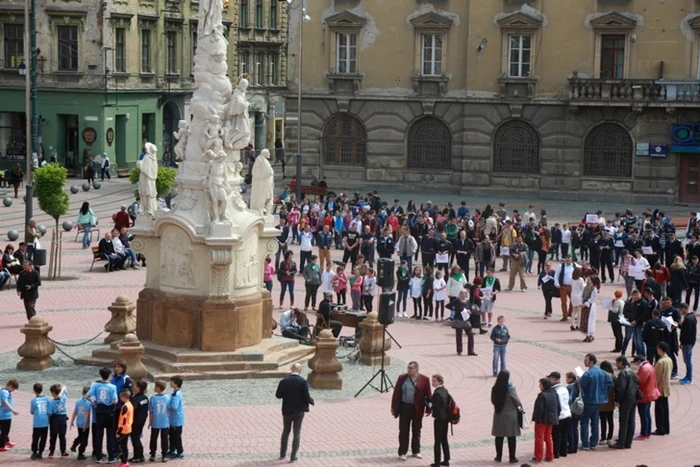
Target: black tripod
point(384, 381)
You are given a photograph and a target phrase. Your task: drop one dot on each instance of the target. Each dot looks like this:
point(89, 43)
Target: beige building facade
point(584, 99)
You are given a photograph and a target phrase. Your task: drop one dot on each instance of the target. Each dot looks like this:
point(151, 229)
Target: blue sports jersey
point(58, 406)
point(39, 408)
point(158, 406)
point(83, 408)
point(105, 394)
point(177, 411)
point(5, 396)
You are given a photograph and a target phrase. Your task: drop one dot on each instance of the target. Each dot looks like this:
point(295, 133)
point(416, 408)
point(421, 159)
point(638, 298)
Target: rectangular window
point(145, 50)
point(346, 53)
point(243, 63)
point(272, 77)
point(431, 54)
point(273, 15)
point(519, 48)
point(244, 14)
point(171, 52)
point(194, 48)
point(68, 48)
point(259, 69)
point(259, 14)
point(13, 136)
point(612, 57)
point(120, 50)
point(14, 45)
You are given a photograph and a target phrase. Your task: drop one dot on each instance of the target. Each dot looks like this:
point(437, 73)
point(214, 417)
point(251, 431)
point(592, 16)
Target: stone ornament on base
point(37, 349)
point(130, 350)
point(122, 322)
point(325, 364)
point(371, 345)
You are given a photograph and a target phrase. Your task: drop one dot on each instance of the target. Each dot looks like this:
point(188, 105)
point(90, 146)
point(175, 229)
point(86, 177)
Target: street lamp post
point(32, 114)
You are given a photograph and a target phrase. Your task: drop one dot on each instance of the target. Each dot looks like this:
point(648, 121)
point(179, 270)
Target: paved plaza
point(239, 422)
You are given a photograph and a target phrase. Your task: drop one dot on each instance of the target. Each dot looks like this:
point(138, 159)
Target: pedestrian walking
point(689, 329)
point(294, 392)
point(28, 284)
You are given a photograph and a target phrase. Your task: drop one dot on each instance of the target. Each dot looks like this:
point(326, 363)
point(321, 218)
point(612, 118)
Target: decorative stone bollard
point(371, 345)
point(123, 320)
point(130, 350)
point(37, 349)
point(325, 364)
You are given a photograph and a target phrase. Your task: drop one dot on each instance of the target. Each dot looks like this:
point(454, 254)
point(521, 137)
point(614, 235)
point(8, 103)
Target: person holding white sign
point(638, 268)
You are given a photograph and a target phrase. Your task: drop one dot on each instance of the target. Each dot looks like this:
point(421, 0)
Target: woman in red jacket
point(650, 391)
point(662, 275)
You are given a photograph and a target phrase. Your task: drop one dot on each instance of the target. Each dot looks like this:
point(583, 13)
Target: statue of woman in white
point(263, 189)
point(237, 131)
point(210, 17)
point(147, 179)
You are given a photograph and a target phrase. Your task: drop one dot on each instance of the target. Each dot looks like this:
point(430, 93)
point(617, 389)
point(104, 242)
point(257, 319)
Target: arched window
point(429, 145)
point(344, 140)
point(608, 152)
point(516, 148)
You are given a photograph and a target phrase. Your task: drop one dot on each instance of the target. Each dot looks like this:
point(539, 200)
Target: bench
point(123, 173)
point(94, 230)
point(321, 191)
point(73, 173)
point(96, 256)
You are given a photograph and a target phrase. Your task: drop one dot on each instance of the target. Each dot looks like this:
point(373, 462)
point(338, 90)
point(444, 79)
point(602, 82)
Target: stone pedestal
point(130, 350)
point(268, 322)
point(123, 320)
point(37, 349)
point(325, 364)
point(371, 345)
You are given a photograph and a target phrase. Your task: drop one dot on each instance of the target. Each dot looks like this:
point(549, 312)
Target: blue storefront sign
point(658, 150)
point(685, 137)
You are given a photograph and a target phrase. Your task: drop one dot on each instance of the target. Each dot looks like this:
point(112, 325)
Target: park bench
point(321, 191)
point(123, 173)
point(94, 230)
point(96, 256)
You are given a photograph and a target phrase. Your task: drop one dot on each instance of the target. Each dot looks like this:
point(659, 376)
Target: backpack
point(453, 410)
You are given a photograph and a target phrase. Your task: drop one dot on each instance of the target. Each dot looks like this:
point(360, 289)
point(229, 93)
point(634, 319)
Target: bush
point(49, 188)
point(164, 181)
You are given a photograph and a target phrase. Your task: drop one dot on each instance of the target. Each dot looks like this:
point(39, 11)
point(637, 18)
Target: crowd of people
point(114, 409)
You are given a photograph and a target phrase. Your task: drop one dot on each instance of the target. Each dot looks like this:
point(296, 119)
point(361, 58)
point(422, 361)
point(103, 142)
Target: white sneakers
point(418, 456)
point(402, 457)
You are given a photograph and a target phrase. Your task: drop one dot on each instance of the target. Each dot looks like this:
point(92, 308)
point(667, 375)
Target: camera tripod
point(384, 381)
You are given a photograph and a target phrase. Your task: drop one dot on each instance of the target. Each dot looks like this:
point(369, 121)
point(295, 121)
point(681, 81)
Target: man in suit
point(408, 404)
point(28, 284)
point(294, 392)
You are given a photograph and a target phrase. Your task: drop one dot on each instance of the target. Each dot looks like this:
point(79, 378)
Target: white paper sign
point(623, 320)
point(646, 250)
point(668, 321)
point(607, 303)
point(505, 251)
point(442, 258)
point(579, 371)
point(591, 218)
point(619, 243)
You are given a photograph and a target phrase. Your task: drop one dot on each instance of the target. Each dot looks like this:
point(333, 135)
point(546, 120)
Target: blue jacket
point(595, 385)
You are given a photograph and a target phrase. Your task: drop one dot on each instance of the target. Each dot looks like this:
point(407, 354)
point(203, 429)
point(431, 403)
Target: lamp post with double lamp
point(303, 18)
point(32, 114)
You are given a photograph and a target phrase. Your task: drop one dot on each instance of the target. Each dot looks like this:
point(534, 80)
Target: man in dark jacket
point(294, 392)
point(440, 405)
point(653, 334)
point(634, 312)
point(545, 415)
point(28, 284)
point(386, 245)
point(626, 387)
point(107, 251)
point(689, 330)
point(670, 312)
point(427, 248)
point(324, 311)
point(674, 247)
point(408, 404)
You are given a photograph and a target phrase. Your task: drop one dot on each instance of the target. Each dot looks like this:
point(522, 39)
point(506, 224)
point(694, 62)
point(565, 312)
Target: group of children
point(114, 405)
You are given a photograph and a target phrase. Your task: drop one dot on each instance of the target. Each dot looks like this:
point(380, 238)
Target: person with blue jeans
point(689, 328)
point(634, 312)
point(595, 385)
point(286, 273)
point(86, 218)
point(500, 335)
point(650, 393)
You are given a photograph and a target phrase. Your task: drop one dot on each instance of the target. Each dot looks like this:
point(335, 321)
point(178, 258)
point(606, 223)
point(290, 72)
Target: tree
point(164, 181)
point(49, 187)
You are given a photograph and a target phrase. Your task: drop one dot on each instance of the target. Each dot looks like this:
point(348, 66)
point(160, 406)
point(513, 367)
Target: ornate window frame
point(596, 167)
point(150, 23)
point(527, 142)
point(174, 25)
point(60, 17)
point(344, 137)
point(518, 24)
point(611, 24)
point(430, 23)
point(695, 25)
point(10, 18)
point(344, 22)
point(416, 158)
point(121, 21)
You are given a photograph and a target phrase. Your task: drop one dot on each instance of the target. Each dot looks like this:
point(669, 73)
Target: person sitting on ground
point(291, 325)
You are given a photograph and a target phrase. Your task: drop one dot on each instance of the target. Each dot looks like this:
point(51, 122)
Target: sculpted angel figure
point(213, 132)
point(216, 184)
point(181, 136)
point(237, 126)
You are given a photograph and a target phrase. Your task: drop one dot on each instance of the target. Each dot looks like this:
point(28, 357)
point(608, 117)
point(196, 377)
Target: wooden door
point(690, 178)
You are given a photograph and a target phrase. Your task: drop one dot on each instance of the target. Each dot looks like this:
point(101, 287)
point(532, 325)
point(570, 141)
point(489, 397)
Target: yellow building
point(578, 99)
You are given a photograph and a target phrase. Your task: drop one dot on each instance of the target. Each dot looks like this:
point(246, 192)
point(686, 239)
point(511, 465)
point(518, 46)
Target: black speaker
point(385, 273)
point(39, 257)
point(387, 308)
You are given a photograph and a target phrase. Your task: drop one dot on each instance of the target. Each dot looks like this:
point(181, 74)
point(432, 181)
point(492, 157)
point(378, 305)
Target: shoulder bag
point(577, 405)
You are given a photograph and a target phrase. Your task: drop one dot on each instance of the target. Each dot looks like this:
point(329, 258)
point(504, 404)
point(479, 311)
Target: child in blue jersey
point(81, 417)
point(57, 419)
point(7, 410)
point(39, 408)
point(177, 418)
point(159, 421)
point(103, 395)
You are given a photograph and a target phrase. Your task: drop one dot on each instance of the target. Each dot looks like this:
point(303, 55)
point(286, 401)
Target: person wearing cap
point(560, 432)
point(28, 284)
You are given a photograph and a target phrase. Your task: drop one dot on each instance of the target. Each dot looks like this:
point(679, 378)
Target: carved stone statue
point(263, 189)
point(213, 132)
point(237, 132)
point(181, 136)
point(210, 13)
point(147, 179)
point(216, 184)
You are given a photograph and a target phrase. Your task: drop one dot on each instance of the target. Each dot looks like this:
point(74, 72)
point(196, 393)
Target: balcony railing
point(633, 90)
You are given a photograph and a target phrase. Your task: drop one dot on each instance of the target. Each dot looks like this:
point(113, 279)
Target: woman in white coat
point(577, 285)
point(588, 310)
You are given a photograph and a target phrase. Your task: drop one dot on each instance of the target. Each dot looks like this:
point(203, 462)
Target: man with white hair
point(294, 392)
point(121, 218)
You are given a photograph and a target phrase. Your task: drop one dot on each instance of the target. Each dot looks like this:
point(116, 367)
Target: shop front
point(685, 142)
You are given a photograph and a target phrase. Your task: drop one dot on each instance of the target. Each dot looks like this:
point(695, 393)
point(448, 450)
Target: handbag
point(577, 405)
point(523, 420)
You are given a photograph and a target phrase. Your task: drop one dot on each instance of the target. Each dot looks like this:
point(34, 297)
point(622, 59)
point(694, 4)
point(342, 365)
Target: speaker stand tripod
point(384, 381)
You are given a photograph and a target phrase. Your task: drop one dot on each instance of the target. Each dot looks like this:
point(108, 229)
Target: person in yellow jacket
point(125, 418)
point(508, 235)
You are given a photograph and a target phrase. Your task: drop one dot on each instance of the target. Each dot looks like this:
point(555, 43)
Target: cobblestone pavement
point(345, 431)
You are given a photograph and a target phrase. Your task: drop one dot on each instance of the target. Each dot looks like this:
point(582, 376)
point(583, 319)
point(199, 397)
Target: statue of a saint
point(237, 130)
point(210, 17)
point(263, 190)
point(147, 180)
point(216, 184)
point(181, 136)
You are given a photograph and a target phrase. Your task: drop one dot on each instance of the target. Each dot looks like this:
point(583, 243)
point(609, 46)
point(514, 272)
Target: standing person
point(312, 281)
point(282, 241)
point(39, 408)
point(86, 218)
point(607, 250)
point(607, 424)
point(407, 247)
point(305, 246)
point(545, 415)
point(159, 421)
point(595, 385)
point(443, 248)
point(340, 285)
point(688, 328)
point(268, 271)
point(500, 335)
point(545, 283)
point(588, 310)
point(286, 274)
point(411, 392)
point(427, 293)
point(440, 407)
point(368, 244)
point(355, 282)
point(28, 284)
point(574, 389)
point(104, 169)
point(693, 275)
point(139, 402)
point(563, 280)
point(125, 420)
point(327, 277)
point(428, 247)
point(506, 405)
point(544, 245)
point(460, 309)
point(439, 291)
point(578, 283)
point(650, 393)
point(324, 240)
point(614, 313)
point(57, 411)
point(464, 247)
point(565, 240)
point(663, 369)
point(626, 388)
point(518, 260)
point(369, 290)
point(403, 279)
point(626, 271)
point(485, 256)
point(294, 392)
point(16, 176)
point(456, 282)
point(653, 333)
point(678, 279)
point(103, 395)
point(491, 288)
point(176, 414)
point(416, 287)
point(560, 432)
point(7, 410)
point(351, 243)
